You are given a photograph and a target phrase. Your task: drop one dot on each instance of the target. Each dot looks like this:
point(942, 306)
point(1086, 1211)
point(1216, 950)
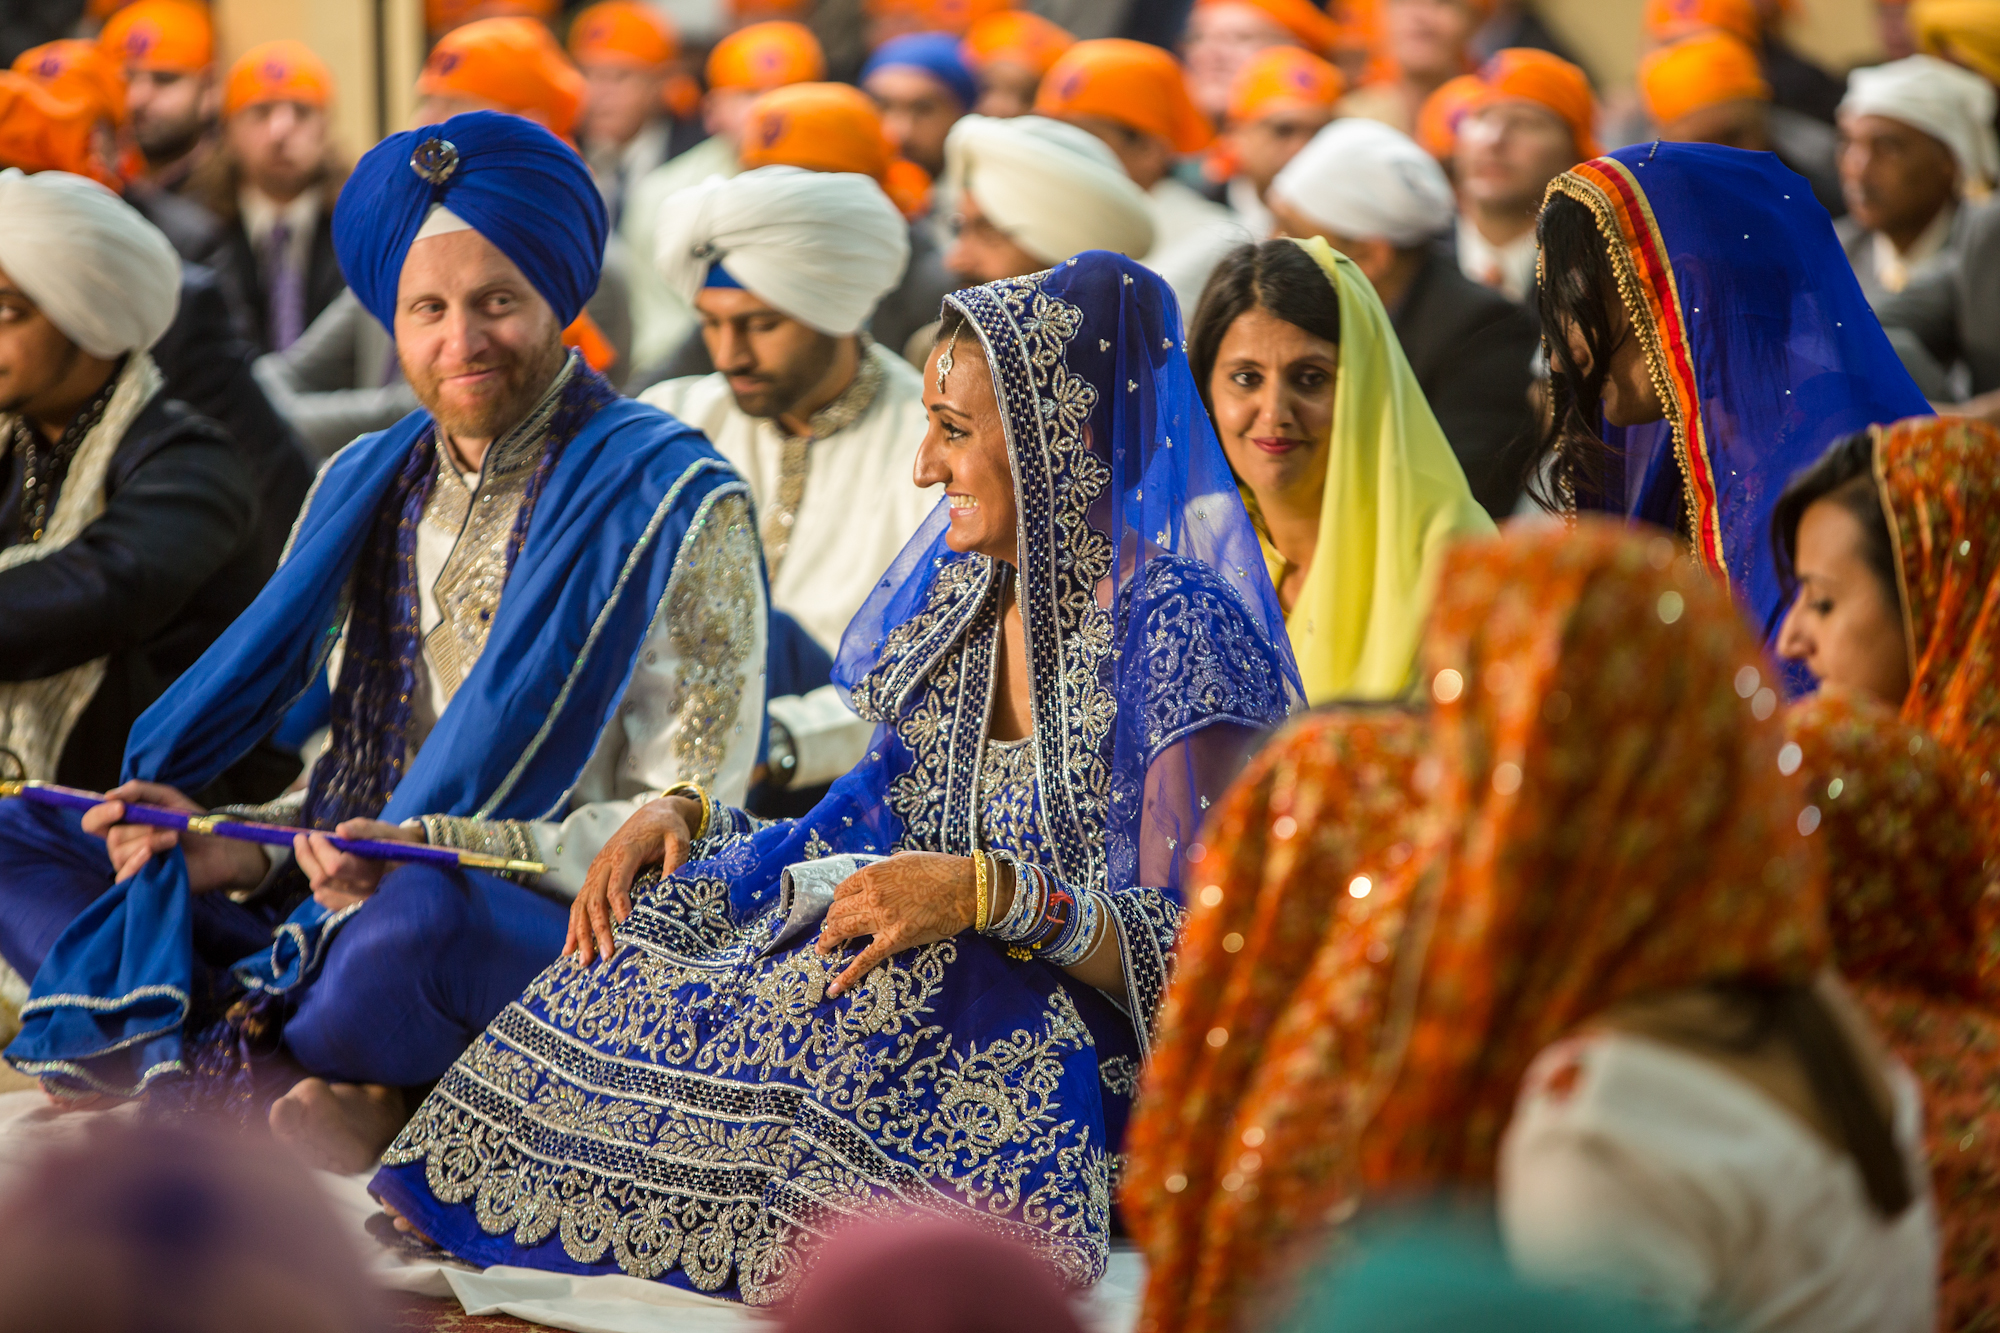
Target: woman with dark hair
point(1554, 950)
point(1891, 542)
point(1348, 478)
point(1706, 339)
point(1889, 546)
point(933, 991)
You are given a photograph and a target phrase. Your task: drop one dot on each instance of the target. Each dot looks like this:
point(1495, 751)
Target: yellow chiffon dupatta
point(1395, 498)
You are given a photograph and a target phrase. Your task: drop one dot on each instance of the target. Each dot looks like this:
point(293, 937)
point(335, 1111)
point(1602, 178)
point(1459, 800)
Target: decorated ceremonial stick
point(275, 835)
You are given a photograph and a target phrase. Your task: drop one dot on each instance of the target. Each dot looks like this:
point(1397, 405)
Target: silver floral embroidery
point(711, 616)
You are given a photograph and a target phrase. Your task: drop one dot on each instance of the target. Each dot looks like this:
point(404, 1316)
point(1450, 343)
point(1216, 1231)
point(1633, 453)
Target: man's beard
point(524, 380)
point(777, 394)
point(168, 141)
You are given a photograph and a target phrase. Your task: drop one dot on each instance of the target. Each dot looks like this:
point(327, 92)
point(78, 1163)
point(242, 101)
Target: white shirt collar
point(1510, 268)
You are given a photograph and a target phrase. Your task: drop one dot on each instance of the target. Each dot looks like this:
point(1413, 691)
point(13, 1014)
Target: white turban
point(1952, 105)
point(1365, 181)
point(101, 273)
point(824, 247)
point(1055, 189)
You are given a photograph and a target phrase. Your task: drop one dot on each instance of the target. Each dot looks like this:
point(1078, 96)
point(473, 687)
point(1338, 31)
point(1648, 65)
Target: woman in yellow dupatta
point(1352, 486)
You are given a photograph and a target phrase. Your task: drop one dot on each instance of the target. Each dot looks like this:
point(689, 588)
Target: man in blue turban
point(538, 606)
point(923, 86)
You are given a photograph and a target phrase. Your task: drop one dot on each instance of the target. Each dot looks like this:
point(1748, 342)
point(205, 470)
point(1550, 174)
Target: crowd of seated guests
point(854, 655)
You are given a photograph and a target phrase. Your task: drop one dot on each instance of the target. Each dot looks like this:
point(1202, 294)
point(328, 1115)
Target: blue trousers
point(407, 983)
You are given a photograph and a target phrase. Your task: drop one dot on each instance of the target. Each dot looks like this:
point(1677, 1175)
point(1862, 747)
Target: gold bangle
point(693, 791)
point(980, 913)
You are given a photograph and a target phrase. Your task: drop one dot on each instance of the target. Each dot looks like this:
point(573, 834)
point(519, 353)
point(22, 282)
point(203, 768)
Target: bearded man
point(785, 266)
point(538, 607)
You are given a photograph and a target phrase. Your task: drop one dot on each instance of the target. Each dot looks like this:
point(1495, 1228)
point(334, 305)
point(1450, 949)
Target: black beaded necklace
point(44, 465)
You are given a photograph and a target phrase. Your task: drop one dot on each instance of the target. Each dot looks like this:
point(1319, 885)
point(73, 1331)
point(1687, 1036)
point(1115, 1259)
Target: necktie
point(285, 288)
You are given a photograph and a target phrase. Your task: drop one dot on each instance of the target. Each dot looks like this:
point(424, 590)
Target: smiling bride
point(1066, 665)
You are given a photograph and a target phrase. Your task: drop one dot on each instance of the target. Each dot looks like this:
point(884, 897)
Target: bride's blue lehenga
point(696, 1109)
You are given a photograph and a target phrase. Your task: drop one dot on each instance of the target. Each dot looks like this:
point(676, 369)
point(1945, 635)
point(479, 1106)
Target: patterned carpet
point(419, 1314)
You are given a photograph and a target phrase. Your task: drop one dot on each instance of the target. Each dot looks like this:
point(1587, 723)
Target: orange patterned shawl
point(1940, 485)
point(1910, 900)
point(1592, 811)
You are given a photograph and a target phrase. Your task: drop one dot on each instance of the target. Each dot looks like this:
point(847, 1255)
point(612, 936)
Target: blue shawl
point(107, 1009)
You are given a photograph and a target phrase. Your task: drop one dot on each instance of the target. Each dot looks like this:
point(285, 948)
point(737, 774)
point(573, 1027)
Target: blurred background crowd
point(230, 127)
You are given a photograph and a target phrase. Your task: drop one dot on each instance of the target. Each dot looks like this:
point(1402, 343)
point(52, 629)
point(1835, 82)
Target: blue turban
point(936, 54)
point(507, 178)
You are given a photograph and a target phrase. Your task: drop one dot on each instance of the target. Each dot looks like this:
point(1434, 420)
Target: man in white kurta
point(785, 267)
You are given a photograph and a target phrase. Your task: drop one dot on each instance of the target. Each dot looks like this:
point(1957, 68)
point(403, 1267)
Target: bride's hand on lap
point(911, 899)
point(212, 862)
point(658, 833)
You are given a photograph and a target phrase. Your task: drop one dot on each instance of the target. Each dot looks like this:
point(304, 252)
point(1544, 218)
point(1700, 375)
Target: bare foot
point(340, 1127)
point(402, 1223)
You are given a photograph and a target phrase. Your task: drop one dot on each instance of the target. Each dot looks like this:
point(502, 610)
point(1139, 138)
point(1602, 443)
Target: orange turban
point(512, 63)
point(1670, 20)
point(41, 132)
point(1964, 31)
point(1283, 76)
point(830, 127)
point(443, 15)
point(76, 71)
point(172, 36)
point(1437, 120)
point(281, 71)
point(952, 16)
point(764, 56)
point(1699, 72)
point(1524, 74)
point(1314, 28)
point(1024, 38)
point(623, 32)
point(1132, 83)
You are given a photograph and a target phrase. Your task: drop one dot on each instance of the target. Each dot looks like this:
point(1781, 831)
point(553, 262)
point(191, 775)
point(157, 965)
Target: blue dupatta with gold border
point(1759, 340)
point(696, 1109)
point(107, 1009)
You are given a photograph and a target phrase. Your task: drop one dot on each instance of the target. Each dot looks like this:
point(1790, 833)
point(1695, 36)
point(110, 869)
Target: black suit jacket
point(149, 584)
point(1473, 351)
point(207, 363)
point(323, 276)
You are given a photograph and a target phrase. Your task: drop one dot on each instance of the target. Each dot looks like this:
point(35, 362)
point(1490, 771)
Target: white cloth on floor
point(1633, 1163)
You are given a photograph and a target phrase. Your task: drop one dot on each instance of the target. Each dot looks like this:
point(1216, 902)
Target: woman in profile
point(1066, 664)
point(1558, 943)
point(1348, 478)
point(1706, 340)
point(1892, 542)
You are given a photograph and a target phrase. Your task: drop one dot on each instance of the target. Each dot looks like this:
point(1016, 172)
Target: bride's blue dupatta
point(107, 1008)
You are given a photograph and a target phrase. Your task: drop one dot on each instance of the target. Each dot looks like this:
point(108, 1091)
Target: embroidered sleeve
point(693, 711)
point(715, 615)
point(1206, 660)
point(511, 838)
point(288, 810)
